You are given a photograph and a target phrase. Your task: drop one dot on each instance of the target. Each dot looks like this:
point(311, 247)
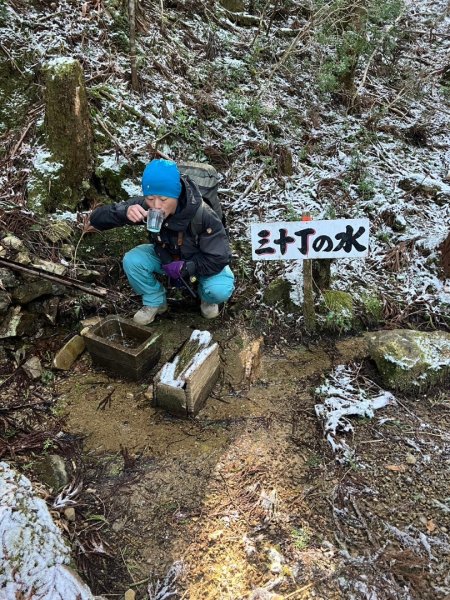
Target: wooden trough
point(122, 347)
point(182, 385)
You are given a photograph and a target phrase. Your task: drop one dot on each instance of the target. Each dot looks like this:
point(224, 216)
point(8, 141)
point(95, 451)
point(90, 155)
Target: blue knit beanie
point(161, 178)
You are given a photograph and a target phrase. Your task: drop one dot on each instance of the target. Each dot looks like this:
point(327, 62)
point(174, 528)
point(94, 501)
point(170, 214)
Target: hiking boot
point(209, 311)
point(147, 314)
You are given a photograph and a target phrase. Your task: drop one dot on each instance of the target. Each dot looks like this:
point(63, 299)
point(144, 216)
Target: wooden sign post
point(309, 312)
point(307, 240)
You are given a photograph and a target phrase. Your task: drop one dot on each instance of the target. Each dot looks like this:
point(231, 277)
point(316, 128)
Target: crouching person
point(187, 239)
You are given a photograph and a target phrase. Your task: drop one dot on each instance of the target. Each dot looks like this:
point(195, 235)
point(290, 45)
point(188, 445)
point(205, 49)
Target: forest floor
point(248, 494)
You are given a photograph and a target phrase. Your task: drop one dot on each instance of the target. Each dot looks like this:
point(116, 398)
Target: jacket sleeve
point(114, 215)
point(213, 247)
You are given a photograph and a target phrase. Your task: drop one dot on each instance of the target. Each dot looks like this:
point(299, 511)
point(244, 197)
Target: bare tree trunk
point(132, 23)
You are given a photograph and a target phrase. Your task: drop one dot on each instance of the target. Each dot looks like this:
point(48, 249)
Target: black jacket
point(206, 251)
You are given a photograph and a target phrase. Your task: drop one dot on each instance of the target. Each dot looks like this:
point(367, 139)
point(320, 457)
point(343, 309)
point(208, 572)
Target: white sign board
point(297, 240)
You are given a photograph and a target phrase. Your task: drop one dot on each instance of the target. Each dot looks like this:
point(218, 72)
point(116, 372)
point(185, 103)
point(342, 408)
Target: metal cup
point(155, 218)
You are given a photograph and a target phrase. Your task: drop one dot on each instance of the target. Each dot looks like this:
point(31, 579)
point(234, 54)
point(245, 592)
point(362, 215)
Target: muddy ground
point(248, 494)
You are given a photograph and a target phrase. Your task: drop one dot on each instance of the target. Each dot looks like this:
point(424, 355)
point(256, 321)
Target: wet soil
point(248, 495)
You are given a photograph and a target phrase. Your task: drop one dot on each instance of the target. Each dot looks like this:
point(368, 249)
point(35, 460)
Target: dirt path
point(248, 494)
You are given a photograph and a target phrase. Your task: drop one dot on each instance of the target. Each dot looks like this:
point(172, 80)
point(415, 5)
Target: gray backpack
point(207, 180)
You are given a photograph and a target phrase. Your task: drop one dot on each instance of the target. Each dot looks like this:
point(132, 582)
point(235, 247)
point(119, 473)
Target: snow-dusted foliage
point(208, 92)
point(342, 398)
point(33, 555)
point(163, 590)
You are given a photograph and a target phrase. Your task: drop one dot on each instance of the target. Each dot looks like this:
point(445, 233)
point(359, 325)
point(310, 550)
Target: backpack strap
point(197, 222)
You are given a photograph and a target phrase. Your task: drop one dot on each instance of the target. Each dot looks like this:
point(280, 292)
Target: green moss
point(113, 243)
point(69, 135)
point(410, 360)
point(16, 95)
point(372, 308)
point(278, 291)
point(109, 175)
point(337, 309)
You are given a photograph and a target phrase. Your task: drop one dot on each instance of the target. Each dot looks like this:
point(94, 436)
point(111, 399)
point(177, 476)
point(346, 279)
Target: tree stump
point(69, 133)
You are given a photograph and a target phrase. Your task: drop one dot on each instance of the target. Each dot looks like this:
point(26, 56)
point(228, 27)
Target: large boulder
point(409, 360)
point(35, 557)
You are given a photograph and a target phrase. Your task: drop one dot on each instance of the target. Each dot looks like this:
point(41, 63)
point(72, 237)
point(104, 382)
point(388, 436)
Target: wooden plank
point(202, 380)
point(170, 398)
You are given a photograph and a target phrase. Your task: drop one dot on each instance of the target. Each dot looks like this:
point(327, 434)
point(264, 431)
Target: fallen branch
point(67, 281)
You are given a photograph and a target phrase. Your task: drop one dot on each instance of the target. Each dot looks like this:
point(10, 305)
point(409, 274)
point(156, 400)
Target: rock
point(233, 5)
point(17, 323)
point(409, 360)
point(264, 594)
point(33, 367)
point(35, 557)
point(31, 289)
point(57, 231)
point(8, 279)
point(67, 251)
point(69, 353)
point(5, 302)
point(50, 267)
point(111, 172)
point(90, 322)
point(3, 252)
point(351, 349)
point(69, 513)
point(278, 290)
point(88, 275)
point(48, 307)
point(276, 560)
point(130, 595)
point(23, 258)
point(51, 470)
point(12, 242)
point(410, 459)
point(338, 311)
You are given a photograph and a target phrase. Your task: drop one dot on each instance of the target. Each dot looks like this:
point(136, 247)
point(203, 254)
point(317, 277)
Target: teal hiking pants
point(141, 263)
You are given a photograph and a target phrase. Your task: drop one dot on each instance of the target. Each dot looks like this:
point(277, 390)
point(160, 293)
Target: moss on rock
point(278, 290)
point(110, 174)
point(16, 95)
point(409, 360)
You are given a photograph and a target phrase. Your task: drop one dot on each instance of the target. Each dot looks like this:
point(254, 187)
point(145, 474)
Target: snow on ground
point(346, 164)
point(342, 398)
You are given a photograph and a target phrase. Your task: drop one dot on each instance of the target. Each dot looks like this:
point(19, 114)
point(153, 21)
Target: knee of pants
point(218, 291)
point(139, 258)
